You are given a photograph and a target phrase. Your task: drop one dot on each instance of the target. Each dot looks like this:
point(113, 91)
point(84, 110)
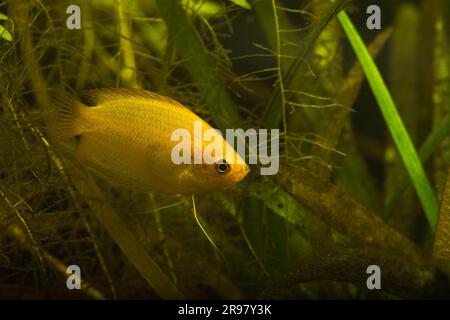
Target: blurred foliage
point(339, 203)
point(4, 34)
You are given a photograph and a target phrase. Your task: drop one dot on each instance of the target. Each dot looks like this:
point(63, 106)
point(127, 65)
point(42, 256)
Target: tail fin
point(66, 119)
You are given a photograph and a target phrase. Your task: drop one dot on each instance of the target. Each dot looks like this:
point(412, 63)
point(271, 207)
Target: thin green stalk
point(128, 72)
point(161, 237)
point(88, 47)
point(280, 74)
point(194, 210)
point(101, 259)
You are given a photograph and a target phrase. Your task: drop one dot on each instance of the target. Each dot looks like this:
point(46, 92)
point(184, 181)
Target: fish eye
point(222, 167)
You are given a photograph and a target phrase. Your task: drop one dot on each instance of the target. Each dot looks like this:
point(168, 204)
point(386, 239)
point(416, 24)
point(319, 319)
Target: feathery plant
point(236, 63)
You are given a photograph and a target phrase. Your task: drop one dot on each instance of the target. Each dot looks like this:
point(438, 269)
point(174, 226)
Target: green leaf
point(4, 34)
point(203, 8)
point(394, 122)
point(242, 3)
point(431, 143)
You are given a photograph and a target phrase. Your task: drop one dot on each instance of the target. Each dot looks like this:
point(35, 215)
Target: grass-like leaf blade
point(394, 122)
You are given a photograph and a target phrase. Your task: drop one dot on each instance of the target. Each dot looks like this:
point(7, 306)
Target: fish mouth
point(241, 172)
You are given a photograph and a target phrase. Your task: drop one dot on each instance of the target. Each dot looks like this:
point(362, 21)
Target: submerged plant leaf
point(394, 122)
point(205, 9)
point(242, 3)
point(5, 34)
point(425, 152)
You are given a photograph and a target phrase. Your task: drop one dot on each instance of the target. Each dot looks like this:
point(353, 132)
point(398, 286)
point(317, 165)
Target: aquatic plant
point(364, 120)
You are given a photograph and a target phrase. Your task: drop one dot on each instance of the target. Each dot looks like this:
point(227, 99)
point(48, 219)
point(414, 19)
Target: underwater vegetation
point(358, 209)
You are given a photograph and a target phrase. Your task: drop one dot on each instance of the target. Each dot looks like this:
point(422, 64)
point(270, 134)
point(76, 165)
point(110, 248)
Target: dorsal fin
point(99, 96)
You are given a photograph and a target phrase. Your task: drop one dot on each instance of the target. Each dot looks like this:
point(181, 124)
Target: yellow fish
point(127, 137)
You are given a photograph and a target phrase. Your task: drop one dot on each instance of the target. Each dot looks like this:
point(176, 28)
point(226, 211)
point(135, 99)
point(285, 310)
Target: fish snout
point(241, 171)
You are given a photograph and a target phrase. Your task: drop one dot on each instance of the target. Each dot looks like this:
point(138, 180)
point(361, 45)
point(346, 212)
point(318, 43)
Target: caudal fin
point(66, 119)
